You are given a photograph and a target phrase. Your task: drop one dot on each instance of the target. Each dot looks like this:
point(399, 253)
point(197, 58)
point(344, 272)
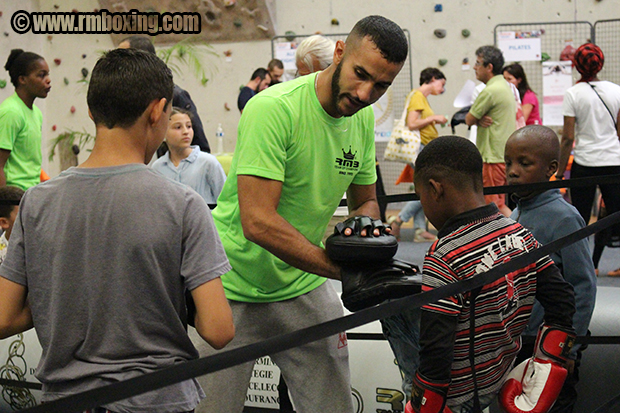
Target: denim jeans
point(403, 333)
point(413, 209)
point(468, 406)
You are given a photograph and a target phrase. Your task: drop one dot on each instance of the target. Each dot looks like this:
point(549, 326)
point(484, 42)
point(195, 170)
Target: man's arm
point(566, 145)
point(556, 296)
point(263, 225)
point(214, 321)
point(15, 316)
point(470, 119)
point(4, 156)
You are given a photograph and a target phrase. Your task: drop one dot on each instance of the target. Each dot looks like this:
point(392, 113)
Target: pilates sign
point(520, 46)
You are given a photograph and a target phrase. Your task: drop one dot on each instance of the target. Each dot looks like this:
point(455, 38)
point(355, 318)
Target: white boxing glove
point(534, 385)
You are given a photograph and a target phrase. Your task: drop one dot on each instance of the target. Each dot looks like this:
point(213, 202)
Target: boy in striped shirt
point(473, 238)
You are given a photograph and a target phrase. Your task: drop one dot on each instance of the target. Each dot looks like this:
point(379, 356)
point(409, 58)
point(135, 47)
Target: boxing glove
point(427, 397)
point(534, 385)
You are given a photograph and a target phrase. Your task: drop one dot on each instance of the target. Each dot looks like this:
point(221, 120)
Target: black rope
point(121, 390)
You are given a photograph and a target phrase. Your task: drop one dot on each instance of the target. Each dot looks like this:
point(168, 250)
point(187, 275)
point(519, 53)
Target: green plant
point(194, 53)
point(68, 138)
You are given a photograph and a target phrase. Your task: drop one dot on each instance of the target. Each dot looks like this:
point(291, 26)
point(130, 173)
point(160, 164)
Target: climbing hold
point(442, 62)
point(57, 61)
point(335, 22)
point(438, 8)
point(72, 109)
point(66, 81)
point(84, 56)
point(544, 56)
point(238, 23)
point(262, 28)
point(226, 106)
point(53, 127)
point(2, 83)
point(465, 60)
point(50, 37)
point(84, 72)
point(440, 33)
point(75, 149)
point(465, 33)
point(290, 35)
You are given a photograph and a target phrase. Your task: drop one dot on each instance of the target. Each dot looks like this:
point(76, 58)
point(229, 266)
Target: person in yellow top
point(421, 117)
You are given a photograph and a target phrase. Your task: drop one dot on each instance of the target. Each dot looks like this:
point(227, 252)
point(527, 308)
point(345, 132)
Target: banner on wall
point(285, 51)
point(518, 46)
point(384, 116)
point(557, 78)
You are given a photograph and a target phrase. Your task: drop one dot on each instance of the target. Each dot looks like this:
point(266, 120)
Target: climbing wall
point(221, 20)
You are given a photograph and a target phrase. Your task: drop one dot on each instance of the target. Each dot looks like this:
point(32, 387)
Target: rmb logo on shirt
point(347, 164)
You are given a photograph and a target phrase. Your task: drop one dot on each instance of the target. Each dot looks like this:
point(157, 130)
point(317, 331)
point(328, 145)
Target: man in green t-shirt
point(494, 112)
point(301, 144)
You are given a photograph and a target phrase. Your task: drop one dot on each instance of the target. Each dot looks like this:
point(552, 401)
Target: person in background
point(180, 98)
point(515, 74)
point(494, 114)
point(421, 117)
point(591, 110)
point(186, 163)
point(126, 244)
point(275, 67)
point(21, 121)
point(259, 81)
point(531, 156)
point(8, 214)
point(314, 53)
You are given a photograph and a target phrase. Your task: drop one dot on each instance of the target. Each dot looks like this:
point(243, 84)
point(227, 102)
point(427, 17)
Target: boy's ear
point(552, 168)
point(157, 110)
point(4, 223)
point(436, 188)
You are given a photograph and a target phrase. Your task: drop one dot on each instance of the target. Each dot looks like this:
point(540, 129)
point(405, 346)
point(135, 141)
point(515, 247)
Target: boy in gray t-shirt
point(100, 256)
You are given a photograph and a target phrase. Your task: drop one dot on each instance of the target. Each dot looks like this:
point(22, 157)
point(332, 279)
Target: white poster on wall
point(384, 116)
point(557, 78)
point(520, 46)
point(285, 51)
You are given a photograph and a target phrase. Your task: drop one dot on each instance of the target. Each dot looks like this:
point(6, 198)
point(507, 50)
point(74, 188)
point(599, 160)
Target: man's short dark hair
point(492, 55)
point(273, 63)
point(140, 43)
point(9, 193)
point(260, 72)
point(385, 34)
point(453, 158)
point(123, 84)
point(427, 75)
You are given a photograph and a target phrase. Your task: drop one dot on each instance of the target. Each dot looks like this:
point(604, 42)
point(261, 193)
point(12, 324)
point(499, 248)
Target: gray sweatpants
point(317, 374)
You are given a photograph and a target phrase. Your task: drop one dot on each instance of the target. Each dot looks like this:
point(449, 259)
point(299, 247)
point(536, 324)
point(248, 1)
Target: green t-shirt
point(20, 133)
point(419, 102)
point(497, 101)
point(285, 135)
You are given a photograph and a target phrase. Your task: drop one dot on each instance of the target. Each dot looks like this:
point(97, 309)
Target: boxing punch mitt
point(427, 397)
point(368, 284)
point(534, 385)
point(355, 248)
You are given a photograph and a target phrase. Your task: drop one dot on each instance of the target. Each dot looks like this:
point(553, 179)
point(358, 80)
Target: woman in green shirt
point(21, 121)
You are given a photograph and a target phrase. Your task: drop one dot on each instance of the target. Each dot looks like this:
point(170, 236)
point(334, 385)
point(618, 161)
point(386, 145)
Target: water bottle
point(219, 136)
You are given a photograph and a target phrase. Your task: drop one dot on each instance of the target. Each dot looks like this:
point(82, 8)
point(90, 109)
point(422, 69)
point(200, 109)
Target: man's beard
point(335, 97)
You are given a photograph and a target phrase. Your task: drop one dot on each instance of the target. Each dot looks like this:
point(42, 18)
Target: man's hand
point(485, 121)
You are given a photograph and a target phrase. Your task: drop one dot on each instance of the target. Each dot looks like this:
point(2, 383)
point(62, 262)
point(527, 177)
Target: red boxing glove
point(427, 397)
point(534, 385)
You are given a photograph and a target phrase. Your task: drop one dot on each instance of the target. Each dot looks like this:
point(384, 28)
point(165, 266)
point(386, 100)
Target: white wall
point(302, 17)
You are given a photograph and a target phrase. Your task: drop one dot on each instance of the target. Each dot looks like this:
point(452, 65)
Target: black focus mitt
point(370, 284)
point(356, 248)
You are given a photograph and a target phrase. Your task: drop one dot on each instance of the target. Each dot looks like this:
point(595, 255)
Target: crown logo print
point(349, 155)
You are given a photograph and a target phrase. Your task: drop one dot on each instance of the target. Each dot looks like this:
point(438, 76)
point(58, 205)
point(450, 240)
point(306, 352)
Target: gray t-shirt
point(106, 254)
